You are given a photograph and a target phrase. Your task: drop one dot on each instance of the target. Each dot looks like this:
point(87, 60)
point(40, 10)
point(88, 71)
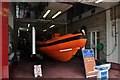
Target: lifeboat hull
point(63, 48)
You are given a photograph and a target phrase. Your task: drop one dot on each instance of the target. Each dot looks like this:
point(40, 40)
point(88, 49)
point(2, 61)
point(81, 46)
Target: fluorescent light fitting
point(18, 31)
point(98, 1)
point(33, 41)
point(28, 25)
point(80, 0)
point(51, 26)
point(59, 12)
point(48, 11)
point(27, 29)
point(44, 30)
point(22, 29)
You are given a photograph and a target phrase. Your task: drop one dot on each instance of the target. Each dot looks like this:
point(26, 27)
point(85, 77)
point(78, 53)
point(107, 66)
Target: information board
point(37, 71)
point(89, 62)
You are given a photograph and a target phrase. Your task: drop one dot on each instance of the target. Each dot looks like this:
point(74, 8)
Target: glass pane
point(98, 34)
point(98, 54)
point(98, 41)
point(94, 51)
point(93, 38)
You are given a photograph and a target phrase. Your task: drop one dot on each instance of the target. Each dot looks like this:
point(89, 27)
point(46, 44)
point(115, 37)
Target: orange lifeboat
point(62, 48)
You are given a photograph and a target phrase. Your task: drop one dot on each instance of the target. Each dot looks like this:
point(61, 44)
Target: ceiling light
point(48, 11)
point(80, 0)
point(22, 29)
point(27, 29)
point(28, 25)
point(98, 1)
point(18, 31)
point(59, 12)
point(51, 26)
point(44, 30)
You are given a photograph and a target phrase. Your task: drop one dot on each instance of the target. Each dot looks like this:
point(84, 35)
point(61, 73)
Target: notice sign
point(37, 71)
point(89, 62)
point(103, 71)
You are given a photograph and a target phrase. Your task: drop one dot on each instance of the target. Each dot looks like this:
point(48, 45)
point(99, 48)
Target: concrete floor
point(54, 69)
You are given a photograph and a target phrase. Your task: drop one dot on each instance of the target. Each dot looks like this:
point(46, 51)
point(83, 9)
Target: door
point(94, 41)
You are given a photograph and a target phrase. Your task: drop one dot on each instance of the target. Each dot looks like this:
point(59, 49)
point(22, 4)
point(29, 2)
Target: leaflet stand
point(89, 63)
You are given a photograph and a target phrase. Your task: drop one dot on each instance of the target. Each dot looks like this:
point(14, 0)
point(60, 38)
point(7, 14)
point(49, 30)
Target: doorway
point(95, 39)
